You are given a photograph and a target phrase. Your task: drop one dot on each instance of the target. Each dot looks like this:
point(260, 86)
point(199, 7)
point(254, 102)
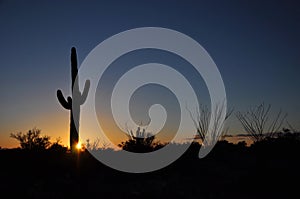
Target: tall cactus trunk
point(74, 122)
point(73, 103)
point(75, 110)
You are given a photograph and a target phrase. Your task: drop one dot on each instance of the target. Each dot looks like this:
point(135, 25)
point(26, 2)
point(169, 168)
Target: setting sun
point(79, 146)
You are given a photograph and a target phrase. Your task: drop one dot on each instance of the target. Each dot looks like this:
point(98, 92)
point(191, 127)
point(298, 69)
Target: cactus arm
point(66, 104)
point(85, 91)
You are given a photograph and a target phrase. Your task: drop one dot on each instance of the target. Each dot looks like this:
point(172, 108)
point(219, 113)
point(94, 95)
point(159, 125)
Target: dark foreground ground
point(266, 170)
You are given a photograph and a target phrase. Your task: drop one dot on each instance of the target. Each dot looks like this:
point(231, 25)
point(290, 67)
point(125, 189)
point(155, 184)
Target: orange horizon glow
point(56, 125)
point(64, 138)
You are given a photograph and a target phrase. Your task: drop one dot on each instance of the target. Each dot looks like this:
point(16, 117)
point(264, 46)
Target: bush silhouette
point(141, 142)
point(57, 147)
point(32, 140)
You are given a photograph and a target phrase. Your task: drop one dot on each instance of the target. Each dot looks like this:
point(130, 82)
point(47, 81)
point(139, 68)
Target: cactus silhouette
point(73, 103)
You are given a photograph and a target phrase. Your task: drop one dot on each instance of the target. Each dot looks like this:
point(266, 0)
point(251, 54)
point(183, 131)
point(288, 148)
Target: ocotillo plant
point(73, 103)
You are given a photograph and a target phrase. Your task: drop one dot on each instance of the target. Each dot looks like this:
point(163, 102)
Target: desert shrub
point(140, 142)
point(32, 139)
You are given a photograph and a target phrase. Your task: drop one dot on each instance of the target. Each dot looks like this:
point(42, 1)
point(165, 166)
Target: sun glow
point(79, 146)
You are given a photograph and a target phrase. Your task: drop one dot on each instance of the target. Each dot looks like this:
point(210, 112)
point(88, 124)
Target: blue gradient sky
point(256, 46)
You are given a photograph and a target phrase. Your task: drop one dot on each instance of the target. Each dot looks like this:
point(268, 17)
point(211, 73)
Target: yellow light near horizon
point(78, 146)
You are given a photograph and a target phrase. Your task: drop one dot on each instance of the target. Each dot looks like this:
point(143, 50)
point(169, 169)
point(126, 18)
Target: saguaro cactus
point(73, 103)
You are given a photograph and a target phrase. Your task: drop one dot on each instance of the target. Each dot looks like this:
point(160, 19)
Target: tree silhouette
point(258, 123)
point(201, 121)
point(73, 103)
point(32, 140)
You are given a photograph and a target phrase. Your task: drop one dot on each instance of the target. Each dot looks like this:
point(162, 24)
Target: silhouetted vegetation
point(140, 142)
point(258, 123)
point(73, 103)
point(201, 121)
point(266, 169)
point(32, 140)
point(57, 146)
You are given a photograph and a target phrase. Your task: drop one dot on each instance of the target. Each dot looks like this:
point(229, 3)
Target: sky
point(255, 45)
